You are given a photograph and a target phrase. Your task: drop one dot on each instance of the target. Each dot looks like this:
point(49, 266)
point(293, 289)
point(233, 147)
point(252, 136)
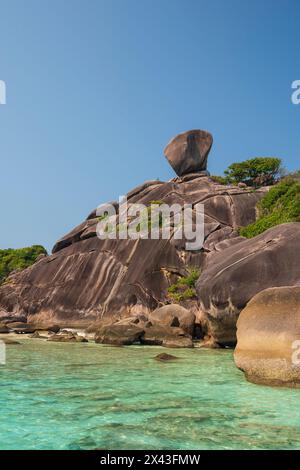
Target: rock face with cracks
point(87, 279)
point(122, 289)
point(235, 275)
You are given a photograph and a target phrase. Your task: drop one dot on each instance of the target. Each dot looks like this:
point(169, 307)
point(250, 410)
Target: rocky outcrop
point(168, 337)
point(121, 288)
point(40, 335)
point(174, 316)
point(7, 318)
point(21, 328)
point(188, 152)
point(268, 332)
point(87, 279)
point(171, 326)
point(235, 275)
point(3, 328)
point(67, 337)
point(119, 335)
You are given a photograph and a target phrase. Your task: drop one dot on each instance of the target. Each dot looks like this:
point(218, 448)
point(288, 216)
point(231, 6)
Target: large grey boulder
point(174, 315)
point(168, 337)
point(268, 333)
point(188, 152)
point(119, 335)
point(233, 276)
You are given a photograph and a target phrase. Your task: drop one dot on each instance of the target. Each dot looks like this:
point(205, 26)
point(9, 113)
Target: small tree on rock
point(260, 171)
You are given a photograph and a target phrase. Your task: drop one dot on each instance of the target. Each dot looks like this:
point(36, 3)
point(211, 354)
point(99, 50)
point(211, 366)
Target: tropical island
point(240, 290)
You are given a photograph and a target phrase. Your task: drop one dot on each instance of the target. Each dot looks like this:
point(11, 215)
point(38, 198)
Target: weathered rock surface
point(235, 275)
point(3, 328)
point(5, 318)
point(67, 337)
point(119, 288)
point(47, 328)
point(188, 152)
point(21, 328)
point(178, 342)
point(164, 357)
point(174, 315)
point(268, 332)
point(87, 279)
point(37, 335)
point(169, 337)
point(120, 335)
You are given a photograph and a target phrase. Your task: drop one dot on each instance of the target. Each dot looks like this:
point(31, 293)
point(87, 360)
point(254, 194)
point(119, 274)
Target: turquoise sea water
point(87, 396)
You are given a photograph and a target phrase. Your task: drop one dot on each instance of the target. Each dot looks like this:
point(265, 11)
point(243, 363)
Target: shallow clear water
point(87, 396)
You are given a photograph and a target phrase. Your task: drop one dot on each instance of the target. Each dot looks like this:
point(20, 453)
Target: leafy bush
point(280, 205)
point(261, 171)
point(159, 202)
point(219, 179)
point(184, 288)
point(21, 258)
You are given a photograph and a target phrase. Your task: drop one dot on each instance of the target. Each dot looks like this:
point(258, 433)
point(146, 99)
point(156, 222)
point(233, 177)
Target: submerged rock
point(268, 332)
point(8, 341)
point(164, 357)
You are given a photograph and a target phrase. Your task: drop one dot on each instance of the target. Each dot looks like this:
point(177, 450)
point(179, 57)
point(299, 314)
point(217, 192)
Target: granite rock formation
point(188, 152)
point(118, 288)
point(119, 335)
point(268, 332)
point(87, 279)
point(238, 273)
point(174, 316)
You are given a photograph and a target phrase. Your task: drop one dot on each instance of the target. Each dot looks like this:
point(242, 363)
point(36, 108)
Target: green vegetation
point(103, 217)
point(146, 221)
point(184, 288)
point(158, 202)
point(256, 172)
point(18, 259)
point(260, 171)
point(219, 179)
point(280, 205)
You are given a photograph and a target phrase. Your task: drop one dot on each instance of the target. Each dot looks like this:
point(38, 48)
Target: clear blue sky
point(95, 89)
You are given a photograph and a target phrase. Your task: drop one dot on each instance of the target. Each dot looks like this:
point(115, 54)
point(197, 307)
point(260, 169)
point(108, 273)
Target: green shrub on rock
point(280, 205)
point(184, 288)
point(219, 179)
